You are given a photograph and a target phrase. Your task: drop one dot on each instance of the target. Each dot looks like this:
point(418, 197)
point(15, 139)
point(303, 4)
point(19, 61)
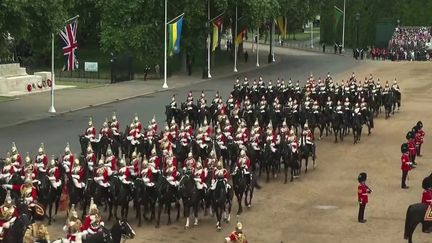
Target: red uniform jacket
point(14, 214)
point(419, 137)
point(405, 162)
point(427, 197)
point(362, 193)
point(56, 173)
point(247, 163)
point(105, 177)
point(93, 131)
point(156, 160)
point(44, 160)
point(105, 132)
point(411, 147)
point(149, 175)
point(91, 157)
point(138, 127)
point(112, 159)
point(80, 174)
point(225, 174)
point(174, 174)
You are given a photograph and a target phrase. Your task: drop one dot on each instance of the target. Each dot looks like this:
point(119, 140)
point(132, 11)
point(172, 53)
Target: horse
point(166, 194)
point(222, 153)
point(48, 196)
point(220, 198)
point(144, 196)
point(243, 186)
point(105, 195)
point(290, 160)
point(338, 126)
point(357, 125)
point(306, 150)
point(234, 152)
point(388, 104)
point(190, 196)
point(415, 215)
point(122, 194)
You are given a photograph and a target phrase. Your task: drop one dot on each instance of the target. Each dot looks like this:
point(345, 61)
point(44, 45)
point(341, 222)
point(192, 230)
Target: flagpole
point(257, 49)
point(209, 41)
point(52, 109)
point(311, 30)
point(343, 28)
point(235, 38)
point(165, 85)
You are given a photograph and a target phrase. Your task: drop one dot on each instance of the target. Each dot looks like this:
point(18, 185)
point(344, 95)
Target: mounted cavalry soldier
point(41, 160)
point(92, 222)
point(134, 168)
point(292, 141)
point(124, 174)
point(90, 132)
point(73, 227)
point(237, 236)
point(171, 173)
point(221, 139)
point(7, 170)
point(199, 176)
point(307, 135)
point(173, 103)
point(102, 175)
point(16, 158)
point(243, 163)
point(154, 160)
point(133, 134)
point(137, 124)
point(153, 125)
point(220, 173)
point(147, 173)
point(110, 161)
point(77, 174)
point(115, 125)
point(105, 130)
point(8, 215)
point(68, 159)
point(54, 174)
point(29, 167)
point(90, 158)
point(189, 163)
point(37, 231)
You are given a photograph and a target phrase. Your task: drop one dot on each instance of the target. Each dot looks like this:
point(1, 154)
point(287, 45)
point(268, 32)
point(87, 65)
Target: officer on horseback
point(29, 167)
point(237, 236)
point(27, 190)
point(54, 174)
point(105, 130)
point(93, 221)
point(7, 170)
point(171, 173)
point(189, 163)
point(307, 134)
point(137, 123)
point(110, 161)
point(16, 159)
point(243, 164)
point(199, 176)
point(124, 173)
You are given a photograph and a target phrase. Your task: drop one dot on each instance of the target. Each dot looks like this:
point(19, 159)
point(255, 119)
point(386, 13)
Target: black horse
point(221, 201)
point(49, 196)
point(145, 196)
point(306, 150)
point(17, 229)
point(415, 215)
point(190, 197)
point(166, 195)
point(338, 126)
point(243, 187)
point(357, 126)
point(290, 160)
point(123, 195)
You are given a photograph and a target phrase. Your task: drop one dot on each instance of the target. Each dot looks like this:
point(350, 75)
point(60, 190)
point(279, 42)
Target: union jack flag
point(70, 45)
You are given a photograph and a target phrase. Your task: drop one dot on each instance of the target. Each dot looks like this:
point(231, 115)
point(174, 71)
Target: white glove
point(6, 186)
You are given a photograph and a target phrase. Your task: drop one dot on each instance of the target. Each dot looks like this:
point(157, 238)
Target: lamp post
point(357, 20)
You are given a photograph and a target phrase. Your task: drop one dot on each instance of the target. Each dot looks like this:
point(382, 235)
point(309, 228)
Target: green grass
point(303, 36)
point(5, 99)
point(80, 85)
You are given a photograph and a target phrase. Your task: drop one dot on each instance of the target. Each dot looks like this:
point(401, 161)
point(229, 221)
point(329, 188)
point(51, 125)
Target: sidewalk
point(35, 106)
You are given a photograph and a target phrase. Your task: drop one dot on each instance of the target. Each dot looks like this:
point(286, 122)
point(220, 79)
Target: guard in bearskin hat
point(407, 165)
point(362, 192)
point(419, 136)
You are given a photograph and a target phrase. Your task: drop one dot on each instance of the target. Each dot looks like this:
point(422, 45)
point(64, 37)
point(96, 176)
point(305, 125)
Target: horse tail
point(408, 231)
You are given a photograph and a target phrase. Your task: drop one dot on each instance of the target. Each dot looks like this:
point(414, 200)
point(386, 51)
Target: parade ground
point(320, 206)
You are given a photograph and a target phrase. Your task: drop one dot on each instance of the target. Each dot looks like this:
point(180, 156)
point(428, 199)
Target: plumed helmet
point(362, 177)
point(8, 200)
point(219, 164)
point(153, 119)
point(67, 148)
point(93, 207)
point(136, 119)
point(73, 213)
point(242, 153)
point(239, 227)
point(90, 122)
point(153, 151)
point(14, 149)
point(27, 158)
point(77, 162)
point(199, 166)
point(427, 183)
point(419, 124)
point(114, 117)
point(41, 148)
point(404, 148)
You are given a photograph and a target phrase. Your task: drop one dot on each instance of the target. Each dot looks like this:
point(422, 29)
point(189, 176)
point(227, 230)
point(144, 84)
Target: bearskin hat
point(419, 124)
point(427, 183)
point(362, 177)
point(404, 148)
point(409, 135)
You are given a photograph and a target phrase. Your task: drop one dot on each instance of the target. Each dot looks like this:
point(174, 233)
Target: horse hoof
point(249, 206)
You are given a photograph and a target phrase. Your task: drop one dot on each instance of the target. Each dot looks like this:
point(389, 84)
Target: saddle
point(428, 214)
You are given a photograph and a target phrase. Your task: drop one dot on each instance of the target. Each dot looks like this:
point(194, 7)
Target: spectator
point(407, 41)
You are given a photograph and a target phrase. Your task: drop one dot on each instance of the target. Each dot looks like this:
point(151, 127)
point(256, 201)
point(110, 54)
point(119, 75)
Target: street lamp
point(357, 20)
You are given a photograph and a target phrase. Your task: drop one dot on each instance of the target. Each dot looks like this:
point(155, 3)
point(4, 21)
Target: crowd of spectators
point(410, 43)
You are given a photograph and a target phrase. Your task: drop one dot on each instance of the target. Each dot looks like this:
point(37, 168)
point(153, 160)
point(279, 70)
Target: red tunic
point(234, 236)
point(405, 162)
point(80, 173)
point(247, 163)
point(156, 160)
point(43, 158)
point(56, 173)
point(419, 137)
point(105, 132)
point(225, 174)
point(18, 159)
point(90, 131)
point(427, 197)
point(411, 147)
point(112, 159)
point(362, 193)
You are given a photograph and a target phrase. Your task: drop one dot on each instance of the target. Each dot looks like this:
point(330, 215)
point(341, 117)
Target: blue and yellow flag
point(174, 31)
